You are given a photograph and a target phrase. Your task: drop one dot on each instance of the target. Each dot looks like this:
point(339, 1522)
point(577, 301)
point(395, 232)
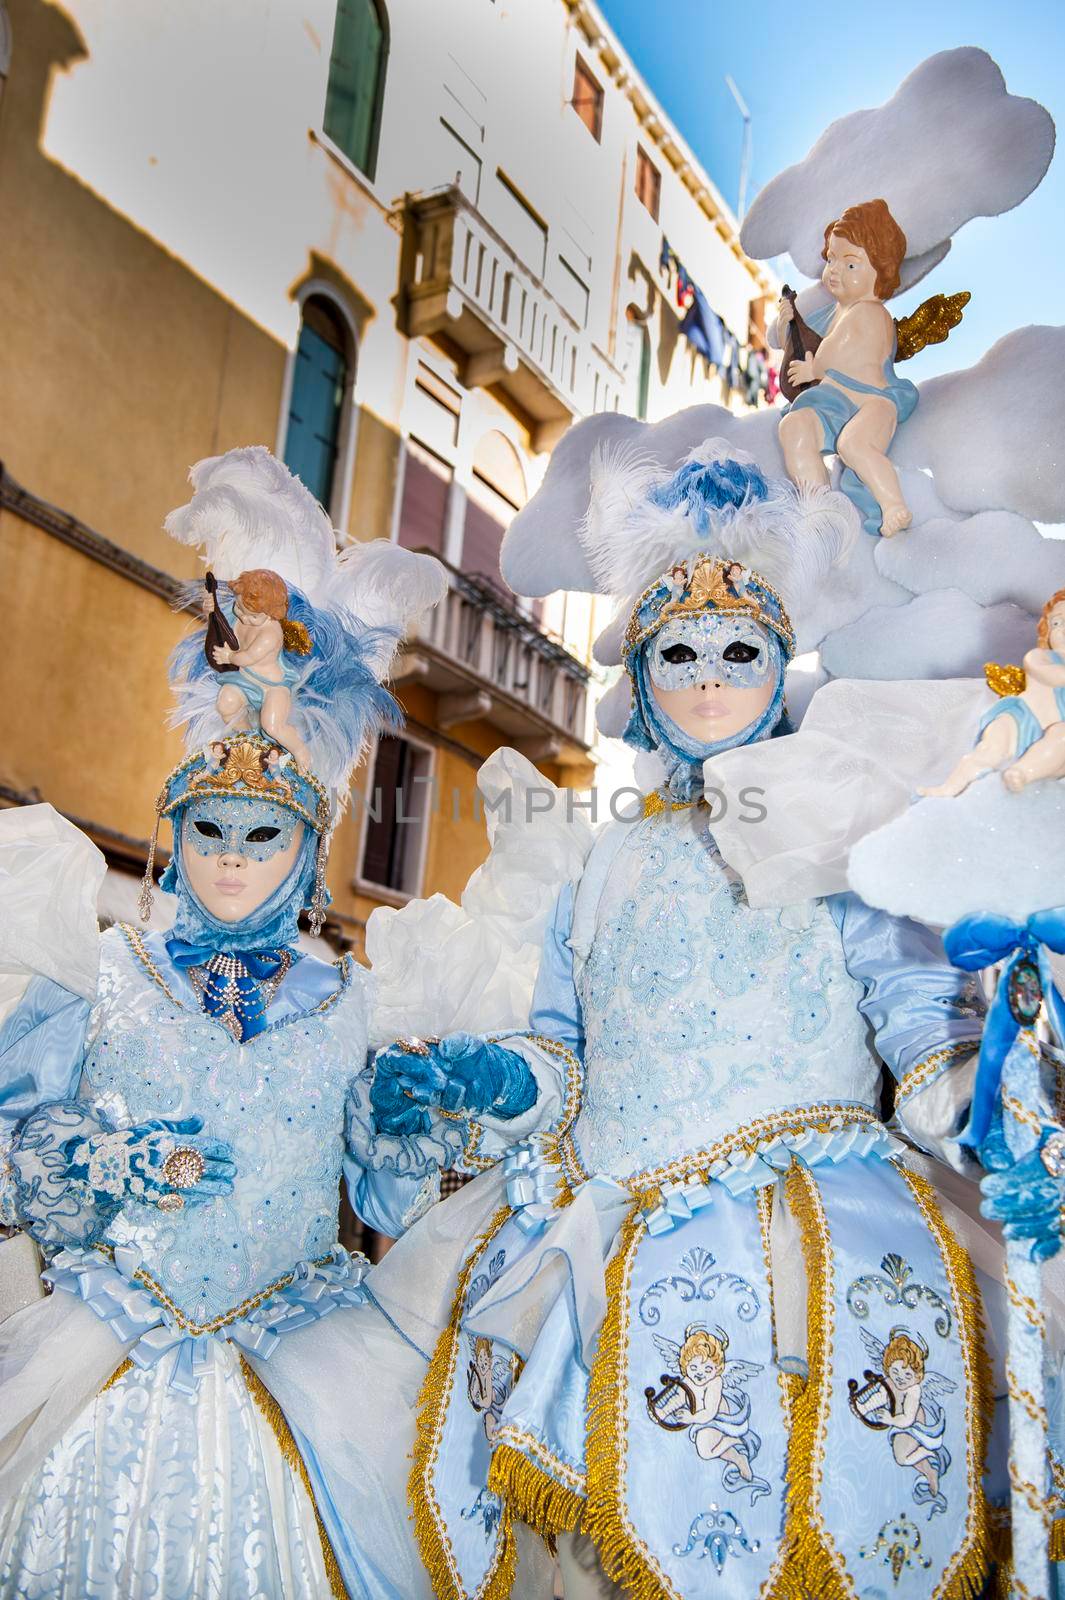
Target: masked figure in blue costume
point(177, 1111)
point(739, 1347)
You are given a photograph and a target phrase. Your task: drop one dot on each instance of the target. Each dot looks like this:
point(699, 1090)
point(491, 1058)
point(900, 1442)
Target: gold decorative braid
point(789, 1382)
point(1024, 1398)
point(821, 1118)
point(571, 1104)
point(1035, 1500)
point(923, 1071)
point(1057, 1540)
point(531, 1494)
point(185, 1323)
point(1026, 1304)
point(624, 1556)
point(1020, 1113)
point(278, 1424)
point(967, 1574)
point(811, 1563)
point(430, 1530)
point(118, 1374)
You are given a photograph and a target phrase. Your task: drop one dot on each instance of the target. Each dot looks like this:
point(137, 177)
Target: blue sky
point(783, 60)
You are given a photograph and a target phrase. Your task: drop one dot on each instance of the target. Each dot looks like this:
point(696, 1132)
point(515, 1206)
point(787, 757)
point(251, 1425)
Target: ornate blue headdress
point(333, 619)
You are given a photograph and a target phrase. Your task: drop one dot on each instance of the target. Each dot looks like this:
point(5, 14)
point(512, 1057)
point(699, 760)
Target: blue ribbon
point(982, 941)
point(260, 964)
point(134, 1314)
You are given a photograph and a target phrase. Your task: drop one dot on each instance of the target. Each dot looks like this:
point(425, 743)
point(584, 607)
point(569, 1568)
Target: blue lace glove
point(74, 1172)
point(1026, 1196)
point(461, 1074)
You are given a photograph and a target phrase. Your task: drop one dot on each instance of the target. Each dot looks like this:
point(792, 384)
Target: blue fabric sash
point(981, 941)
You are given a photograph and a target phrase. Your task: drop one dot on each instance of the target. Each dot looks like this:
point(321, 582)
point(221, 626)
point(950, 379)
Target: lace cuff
point(52, 1204)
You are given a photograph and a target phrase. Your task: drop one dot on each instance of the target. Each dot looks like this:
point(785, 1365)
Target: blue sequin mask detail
point(713, 647)
point(222, 825)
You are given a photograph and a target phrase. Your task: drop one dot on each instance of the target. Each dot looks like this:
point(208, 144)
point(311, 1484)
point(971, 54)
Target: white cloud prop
point(992, 434)
point(993, 556)
point(612, 712)
point(541, 552)
point(986, 851)
point(943, 634)
point(951, 144)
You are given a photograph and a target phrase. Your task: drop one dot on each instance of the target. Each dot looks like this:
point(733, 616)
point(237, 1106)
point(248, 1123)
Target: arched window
point(357, 80)
point(324, 359)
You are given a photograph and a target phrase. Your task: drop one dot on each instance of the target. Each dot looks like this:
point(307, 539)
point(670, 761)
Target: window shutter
point(318, 385)
point(356, 74)
point(423, 512)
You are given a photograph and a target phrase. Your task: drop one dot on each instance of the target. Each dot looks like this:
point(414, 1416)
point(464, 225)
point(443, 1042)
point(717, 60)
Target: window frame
point(644, 163)
point(381, 891)
point(369, 172)
point(339, 508)
point(581, 68)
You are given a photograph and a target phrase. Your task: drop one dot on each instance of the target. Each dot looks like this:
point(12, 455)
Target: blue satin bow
point(981, 941)
point(216, 997)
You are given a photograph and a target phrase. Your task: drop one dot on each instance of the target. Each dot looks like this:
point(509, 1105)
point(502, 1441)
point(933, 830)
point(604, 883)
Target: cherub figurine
point(1027, 727)
point(857, 401)
point(264, 680)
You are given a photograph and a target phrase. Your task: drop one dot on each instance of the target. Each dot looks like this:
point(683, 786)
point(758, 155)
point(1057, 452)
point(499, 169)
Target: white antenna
point(745, 158)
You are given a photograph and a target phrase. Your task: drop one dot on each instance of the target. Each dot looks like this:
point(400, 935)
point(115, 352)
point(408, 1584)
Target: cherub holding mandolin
point(839, 366)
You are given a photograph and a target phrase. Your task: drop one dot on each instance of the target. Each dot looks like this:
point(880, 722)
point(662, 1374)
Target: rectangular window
point(426, 491)
point(399, 804)
point(524, 231)
point(587, 99)
point(648, 182)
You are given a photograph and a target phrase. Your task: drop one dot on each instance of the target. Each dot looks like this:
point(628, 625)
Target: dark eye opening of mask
point(210, 830)
point(262, 835)
point(676, 653)
point(737, 651)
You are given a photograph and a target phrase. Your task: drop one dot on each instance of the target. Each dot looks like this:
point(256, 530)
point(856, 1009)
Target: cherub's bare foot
point(895, 518)
point(1015, 779)
point(946, 790)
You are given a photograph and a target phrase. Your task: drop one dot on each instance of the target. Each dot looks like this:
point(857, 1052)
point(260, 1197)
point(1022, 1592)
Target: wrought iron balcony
point(487, 661)
point(463, 286)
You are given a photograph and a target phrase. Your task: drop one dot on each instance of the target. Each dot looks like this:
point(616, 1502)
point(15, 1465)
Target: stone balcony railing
point(460, 280)
point(488, 662)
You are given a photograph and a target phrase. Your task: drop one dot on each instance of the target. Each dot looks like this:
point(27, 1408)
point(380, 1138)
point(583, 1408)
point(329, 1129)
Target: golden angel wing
point(929, 324)
point(1005, 679)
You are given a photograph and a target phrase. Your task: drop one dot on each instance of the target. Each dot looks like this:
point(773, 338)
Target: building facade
point(405, 245)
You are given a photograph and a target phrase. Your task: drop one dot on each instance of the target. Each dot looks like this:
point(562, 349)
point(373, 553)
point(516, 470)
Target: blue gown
point(165, 1464)
point(740, 1344)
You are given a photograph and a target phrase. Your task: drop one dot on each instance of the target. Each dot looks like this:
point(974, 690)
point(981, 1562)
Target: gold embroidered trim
point(625, 1557)
point(789, 1383)
point(135, 940)
point(430, 1529)
point(655, 803)
point(1025, 1303)
point(531, 1493)
point(966, 1576)
point(811, 1563)
point(922, 1072)
point(185, 1323)
point(1057, 1540)
point(278, 1424)
point(1020, 1112)
point(118, 1374)
point(822, 1118)
point(571, 1105)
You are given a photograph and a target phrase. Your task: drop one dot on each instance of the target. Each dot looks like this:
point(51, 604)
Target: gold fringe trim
point(429, 1530)
point(625, 1558)
point(810, 1563)
point(531, 1495)
point(1057, 1540)
point(118, 1374)
point(278, 1424)
point(967, 1575)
